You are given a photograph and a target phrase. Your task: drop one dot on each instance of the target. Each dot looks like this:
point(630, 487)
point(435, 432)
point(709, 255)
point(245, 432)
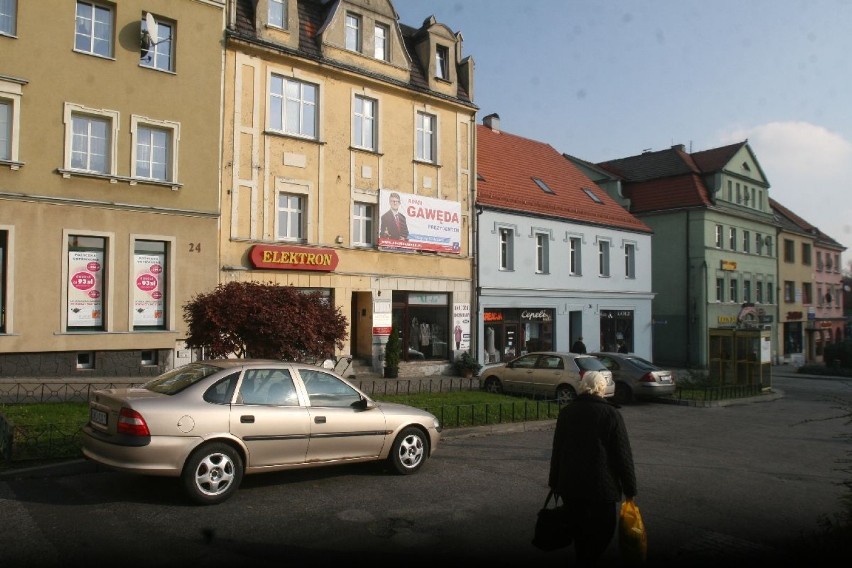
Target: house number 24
point(194, 247)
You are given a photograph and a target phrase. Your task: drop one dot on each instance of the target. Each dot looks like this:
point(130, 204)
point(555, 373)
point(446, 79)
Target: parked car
point(544, 373)
point(636, 377)
point(211, 422)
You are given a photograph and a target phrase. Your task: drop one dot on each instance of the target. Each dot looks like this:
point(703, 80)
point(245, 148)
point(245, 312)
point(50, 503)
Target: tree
point(250, 319)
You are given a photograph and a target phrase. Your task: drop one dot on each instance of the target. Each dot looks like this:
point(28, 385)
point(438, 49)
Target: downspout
point(690, 310)
point(474, 291)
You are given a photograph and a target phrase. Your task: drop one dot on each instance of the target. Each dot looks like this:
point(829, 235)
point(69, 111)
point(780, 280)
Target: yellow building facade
point(335, 113)
point(110, 129)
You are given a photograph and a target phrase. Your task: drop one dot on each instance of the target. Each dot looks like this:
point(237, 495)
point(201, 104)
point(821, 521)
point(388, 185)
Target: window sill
point(116, 179)
point(12, 164)
point(426, 162)
point(365, 150)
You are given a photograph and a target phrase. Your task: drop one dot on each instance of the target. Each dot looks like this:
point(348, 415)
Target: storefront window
point(423, 319)
point(149, 285)
point(512, 332)
point(86, 279)
point(617, 330)
point(792, 337)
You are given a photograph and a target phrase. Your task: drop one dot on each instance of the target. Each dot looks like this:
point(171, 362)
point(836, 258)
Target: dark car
point(636, 377)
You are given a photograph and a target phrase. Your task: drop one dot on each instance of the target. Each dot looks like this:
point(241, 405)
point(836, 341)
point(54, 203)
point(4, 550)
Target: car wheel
point(565, 394)
point(212, 473)
point(492, 385)
point(623, 394)
point(409, 451)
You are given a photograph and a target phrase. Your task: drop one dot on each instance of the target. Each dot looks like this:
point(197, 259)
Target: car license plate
point(98, 416)
point(665, 378)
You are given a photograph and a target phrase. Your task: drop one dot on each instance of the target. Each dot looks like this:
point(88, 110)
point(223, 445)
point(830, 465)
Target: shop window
point(86, 283)
point(4, 279)
point(149, 284)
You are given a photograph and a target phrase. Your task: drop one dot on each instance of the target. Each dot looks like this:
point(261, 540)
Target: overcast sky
point(606, 79)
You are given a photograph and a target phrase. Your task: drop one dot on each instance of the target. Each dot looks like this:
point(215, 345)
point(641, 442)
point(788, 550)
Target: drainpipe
point(690, 310)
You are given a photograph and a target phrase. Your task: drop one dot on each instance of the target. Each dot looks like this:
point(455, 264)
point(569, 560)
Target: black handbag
point(552, 529)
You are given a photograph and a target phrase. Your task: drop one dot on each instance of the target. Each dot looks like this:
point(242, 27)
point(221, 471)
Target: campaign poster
point(148, 290)
point(413, 222)
point(461, 327)
point(85, 288)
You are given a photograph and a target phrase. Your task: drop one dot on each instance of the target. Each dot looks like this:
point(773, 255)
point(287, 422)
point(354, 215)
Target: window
point(718, 236)
point(86, 284)
point(739, 195)
point(819, 296)
point(758, 243)
point(733, 293)
point(819, 261)
point(746, 241)
point(807, 293)
point(277, 14)
point(770, 293)
point(732, 238)
point(720, 289)
point(789, 251)
point(746, 290)
point(154, 149)
point(425, 127)
point(806, 254)
point(592, 195)
point(768, 242)
point(10, 119)
point(506, 260)
point(5, 129)
point(150, 278)
point(837, 262)
point(293, 106)
point(789, 292)
point(160, 54)
point(8, 17)
point(541, 253)
point(828, 262)
point(4, 277)
point(362, 224)
point(730, 191)
point(603, 258)
point(353, 32)
point(364, 128)
point(93, 29)
point(290, 216)
point(381, 36)
point(758, 292)
point(92, 142)
point(630, 260)
point(442, 64)
point(574, 264)
point(543, 186)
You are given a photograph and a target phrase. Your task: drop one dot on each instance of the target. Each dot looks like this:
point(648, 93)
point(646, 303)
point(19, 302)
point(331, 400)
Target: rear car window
point(644, 365)
point(589, 364)
point(178, 379)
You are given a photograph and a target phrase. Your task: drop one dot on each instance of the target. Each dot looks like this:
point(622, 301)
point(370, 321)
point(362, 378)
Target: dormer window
point(353, 32)
point(277, 14)
point(442, 57)
point(382, 36)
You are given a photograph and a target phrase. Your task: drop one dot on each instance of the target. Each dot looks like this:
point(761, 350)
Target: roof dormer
point(439, 50)
point(277, 21)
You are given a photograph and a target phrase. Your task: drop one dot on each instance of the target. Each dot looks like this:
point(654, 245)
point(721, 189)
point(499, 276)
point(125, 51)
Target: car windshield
point(178, 379)
point(589, 364)
point(643, 365)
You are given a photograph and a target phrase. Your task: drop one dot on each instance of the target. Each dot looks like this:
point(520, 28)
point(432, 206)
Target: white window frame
point(381, 42)
point(161, 55)
point(603, 258)
point(140, 123)
point(365, 119)
point(168, 279)
point(289, 210)
point(363, 224)
point(276, 14)
point(630, 260)
point(7, 280)
point(720, 289)
point(747, 289)
point(297, 113)
point(91, 36)
point(542, 253)
point(354, 35)
point(758, 291)
point(8, 17)
point(505, 250)
point(426, 130)
point(733, 289)
point(746, 241)
point(10, 96)
point(732, 238)
point(73, 111)
point(442, 62)
point(109, 263)
point(719, 236)
point(575, 256)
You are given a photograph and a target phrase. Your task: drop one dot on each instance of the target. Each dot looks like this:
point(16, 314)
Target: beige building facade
point(110, 129)
point(337, 116)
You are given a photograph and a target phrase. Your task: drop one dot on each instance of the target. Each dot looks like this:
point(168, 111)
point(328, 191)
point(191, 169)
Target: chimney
point(492, 121)
point(680, 147)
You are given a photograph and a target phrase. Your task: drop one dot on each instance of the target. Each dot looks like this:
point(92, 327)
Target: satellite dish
point(151, 24)
point(148, 35)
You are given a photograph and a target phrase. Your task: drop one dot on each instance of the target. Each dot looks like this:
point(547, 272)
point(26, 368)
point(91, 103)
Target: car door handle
point(247, 419)
point(319, 419)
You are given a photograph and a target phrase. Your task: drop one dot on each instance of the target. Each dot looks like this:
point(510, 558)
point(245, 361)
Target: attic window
point(543, 186)
point(442, 56)
point(592, 195)
point(745, 167)
point(479, 177)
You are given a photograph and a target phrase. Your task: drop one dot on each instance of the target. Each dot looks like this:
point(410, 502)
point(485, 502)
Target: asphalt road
point(727, 485)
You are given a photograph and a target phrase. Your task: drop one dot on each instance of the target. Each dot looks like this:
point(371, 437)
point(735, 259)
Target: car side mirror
point(363, 403)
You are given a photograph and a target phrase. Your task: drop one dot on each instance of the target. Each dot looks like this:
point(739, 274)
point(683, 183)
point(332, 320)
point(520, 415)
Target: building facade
point(109, 176)
point(558, 259)
point(348, 167)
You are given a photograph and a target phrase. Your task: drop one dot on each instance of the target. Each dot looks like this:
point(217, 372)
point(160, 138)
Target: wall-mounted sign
point(794, 315)
point(293, 258)
point(729, 265)
point(416, 222)
point(536, 315)
point(727, 320)
point(492, 316)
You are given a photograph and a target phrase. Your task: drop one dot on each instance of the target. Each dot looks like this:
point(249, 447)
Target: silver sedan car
point(550, 374)
point(211, 422)
point(636, 377)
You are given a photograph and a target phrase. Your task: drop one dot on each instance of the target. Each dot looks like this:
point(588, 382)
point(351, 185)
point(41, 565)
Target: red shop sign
point(293, 258)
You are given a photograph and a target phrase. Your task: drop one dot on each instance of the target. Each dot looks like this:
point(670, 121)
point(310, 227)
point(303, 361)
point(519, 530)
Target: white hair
point(593, 383)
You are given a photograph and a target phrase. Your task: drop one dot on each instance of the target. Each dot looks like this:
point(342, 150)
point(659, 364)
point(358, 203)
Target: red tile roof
point(507, 164)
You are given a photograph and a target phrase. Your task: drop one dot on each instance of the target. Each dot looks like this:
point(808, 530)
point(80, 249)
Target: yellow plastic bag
point(632, 539)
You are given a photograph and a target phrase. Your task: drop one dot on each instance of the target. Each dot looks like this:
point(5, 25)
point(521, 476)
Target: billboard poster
point(85, 288)
point(461, 327)
point(148, 289)
point(414, 222)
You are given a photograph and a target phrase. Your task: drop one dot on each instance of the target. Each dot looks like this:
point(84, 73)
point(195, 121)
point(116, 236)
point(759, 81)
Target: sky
point(607, 79)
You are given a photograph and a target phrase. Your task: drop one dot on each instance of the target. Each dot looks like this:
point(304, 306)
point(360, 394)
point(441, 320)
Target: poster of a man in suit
point(394, 225)
point(410, 222)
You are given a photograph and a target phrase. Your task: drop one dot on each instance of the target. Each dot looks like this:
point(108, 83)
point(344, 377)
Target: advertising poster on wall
point(148, 292)
point(414, 222)
point(461, 327)
point(85, 288)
